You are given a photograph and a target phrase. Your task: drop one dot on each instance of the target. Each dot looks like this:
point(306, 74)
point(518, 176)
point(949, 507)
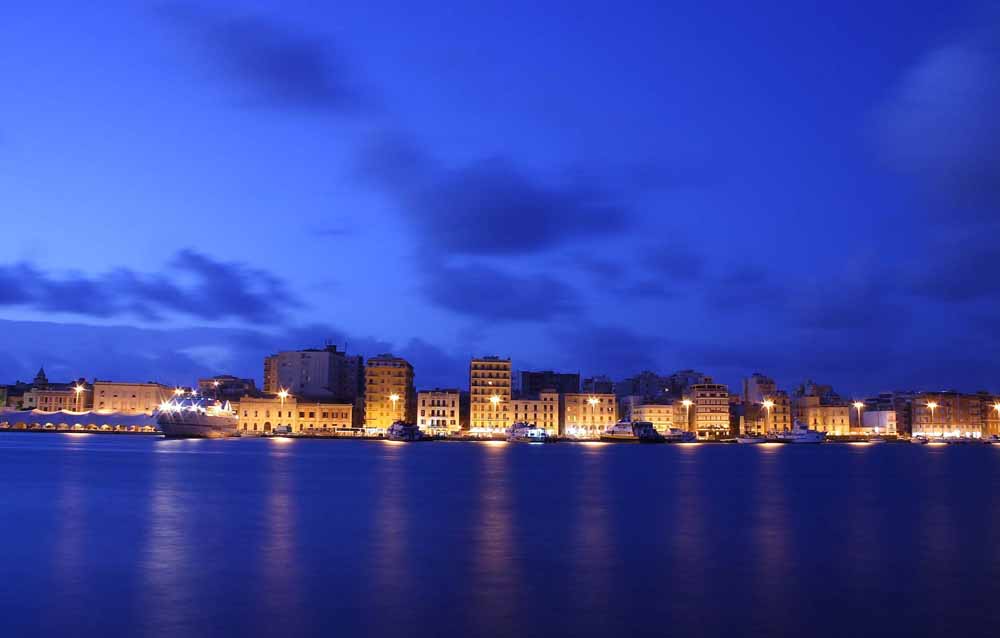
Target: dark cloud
point(941, 126)
point(491, 206)
point(211, 289)
point(602, 348)
point(962, 265)
point(272, 66)
point(485, 292)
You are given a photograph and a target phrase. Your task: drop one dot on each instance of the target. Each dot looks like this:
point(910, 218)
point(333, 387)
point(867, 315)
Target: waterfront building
point(822, 409)
point(878, 422)
point(226, 387)
point(532, 383)
point(267, 413)
point(951, 414)
point(76, 396)
point(598, 385)
point(130, 398)
point(757, 388)
point(389, 392)
point(489, 395)
point(661, 415)
point(706, 409)
point(542, 410)
point(317, 373)
point(587, 415)
point(679, 383)
point(439, 411)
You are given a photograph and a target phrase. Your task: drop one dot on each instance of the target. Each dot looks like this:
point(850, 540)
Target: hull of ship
point(203, 427)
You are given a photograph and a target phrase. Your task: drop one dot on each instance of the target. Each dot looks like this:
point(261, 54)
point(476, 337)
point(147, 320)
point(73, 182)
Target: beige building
point(439, 411)
point(489, 396)
point(389, 392)
point(263, 414)
point(823, 414)
point(130, 398)
point(542, 411)
point(708, 415)
point(661, 415)
point(76, 397)
point(587, 415)
point(953, 414)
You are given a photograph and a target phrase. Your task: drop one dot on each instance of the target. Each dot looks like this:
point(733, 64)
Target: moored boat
point(197, 418)
point(632, 432)
point(751, 439)
point(522, 432)
point(800, 433)
point(402, 431)
point(676, 435)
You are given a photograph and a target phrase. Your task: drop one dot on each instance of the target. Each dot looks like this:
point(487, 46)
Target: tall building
point(532, 383)
point(264, 413)
point(315, 373)
point(678, 384)
point(661, 415)
point(952, 413)
point(439, 411)
point(708, 412)
point(587, 415)
point(130, 398)
point(647, 385)
point(389, 392)
point(599, 385)
point(757, 388)
point(489, 395)
point(541, 410)
point(226, 387)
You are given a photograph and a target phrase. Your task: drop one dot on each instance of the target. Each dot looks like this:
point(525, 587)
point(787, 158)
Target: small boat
point(992, 439)
point(676, 435)
point(960, 440)
point(402, 431)
point(920, 440)
point(751, 439)
point(800, 433)
point(522, 432)
point(632, 432)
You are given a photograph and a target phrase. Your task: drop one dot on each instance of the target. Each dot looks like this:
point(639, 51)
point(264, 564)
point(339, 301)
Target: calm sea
point(120, 536)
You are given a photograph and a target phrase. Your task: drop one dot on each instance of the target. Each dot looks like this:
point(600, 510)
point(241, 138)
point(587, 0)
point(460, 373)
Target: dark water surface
point(119, 536)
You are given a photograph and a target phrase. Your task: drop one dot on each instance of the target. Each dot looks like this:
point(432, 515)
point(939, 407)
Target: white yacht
point(402, 431)
point(197, 418)
point(632, 432)
point(676, 435)
point(522, 432)
point(800, 433)
point(751, 439)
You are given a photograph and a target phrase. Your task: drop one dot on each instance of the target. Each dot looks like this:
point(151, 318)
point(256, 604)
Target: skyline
point(806, 196)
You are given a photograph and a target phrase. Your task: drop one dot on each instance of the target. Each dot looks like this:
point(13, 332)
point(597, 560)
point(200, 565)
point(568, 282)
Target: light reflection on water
point(297, 538)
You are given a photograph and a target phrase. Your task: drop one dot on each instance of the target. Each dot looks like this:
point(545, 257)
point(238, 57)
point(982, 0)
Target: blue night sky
point(586, 186)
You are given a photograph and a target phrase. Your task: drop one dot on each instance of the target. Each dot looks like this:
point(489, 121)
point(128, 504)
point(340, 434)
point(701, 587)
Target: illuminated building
point(489, 396)
point(708, 413)
point(439, 411)
point(130, 398)
point(226, 387)
point(822, 409)
point(264, 414)
point(951, 414)
point(541, 410)
point(587, 415)
point(314, 372)
point(389, 392)
point(661, 415)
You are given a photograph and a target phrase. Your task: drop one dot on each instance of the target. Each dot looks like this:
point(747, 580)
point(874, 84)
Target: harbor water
point(109, 535)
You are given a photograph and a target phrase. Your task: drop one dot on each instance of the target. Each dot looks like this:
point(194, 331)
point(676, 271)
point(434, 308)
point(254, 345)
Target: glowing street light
point(858, 405)
point(933, 406)
point(394, 398)
point(768, 404)
point(687, 403)
point(78, 389)
point(593, 401)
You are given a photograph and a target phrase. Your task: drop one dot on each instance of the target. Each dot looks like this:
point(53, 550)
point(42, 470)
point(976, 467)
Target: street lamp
point(495, 400)
point(78, 389)
point(178, 391)
point(933, 406)
point(768, 404)
point(687, 403)
point(858, 405)
point(394, 398)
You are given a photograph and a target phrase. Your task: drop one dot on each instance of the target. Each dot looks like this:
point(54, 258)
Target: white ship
point(676, 435)
point(402, 431)
point(198, 418)
point(522, 432)
point(632, 432)
point(800, 433)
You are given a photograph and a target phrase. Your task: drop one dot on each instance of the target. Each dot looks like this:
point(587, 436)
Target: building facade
point(541, 411)
point(489, 396)
point(952, 414)
point(820, 408)
point(389, 392)
point(226, 387)
point(260, 415)
point(316, 373)
point(130, 398)
point(439, 411)
point(878, 422)
point(661, 415)
point(533, 383)
point(587, 415)
point(708, 415)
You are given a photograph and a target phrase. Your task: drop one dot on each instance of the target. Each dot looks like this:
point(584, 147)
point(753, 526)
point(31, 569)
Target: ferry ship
point(197, 418)
point(402, 431)
point(800, 433)
point(632, 432)
point(528, 433)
